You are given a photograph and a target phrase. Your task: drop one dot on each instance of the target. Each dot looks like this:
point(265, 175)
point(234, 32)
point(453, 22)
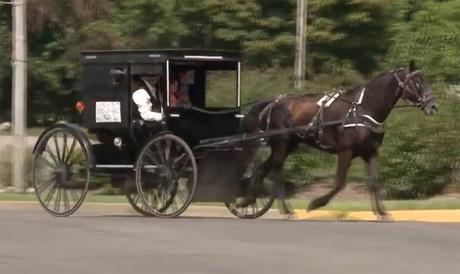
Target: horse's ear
point(412, 66)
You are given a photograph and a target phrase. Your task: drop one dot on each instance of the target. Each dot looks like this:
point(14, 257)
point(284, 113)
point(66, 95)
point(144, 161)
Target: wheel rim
point(60, 172)
point(166, 176)
point(263, 202)
point(136, 202)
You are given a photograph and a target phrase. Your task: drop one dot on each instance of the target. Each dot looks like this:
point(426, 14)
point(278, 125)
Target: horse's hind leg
point(374, 185)
point(344, 162)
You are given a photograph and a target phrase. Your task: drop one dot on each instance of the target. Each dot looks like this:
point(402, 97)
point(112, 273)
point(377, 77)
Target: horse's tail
point(251, 122)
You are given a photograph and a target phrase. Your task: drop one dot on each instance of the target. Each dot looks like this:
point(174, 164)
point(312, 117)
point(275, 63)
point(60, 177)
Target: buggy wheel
point(166, 176)
point(257, 194)
point(258, 206)
point(61, 172)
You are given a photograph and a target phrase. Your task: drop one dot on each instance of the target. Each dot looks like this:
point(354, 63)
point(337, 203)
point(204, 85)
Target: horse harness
point(406, 88)
point(315, 127)
point(353, 118)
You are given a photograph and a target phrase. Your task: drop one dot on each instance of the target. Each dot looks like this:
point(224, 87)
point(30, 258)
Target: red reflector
point(80, 106)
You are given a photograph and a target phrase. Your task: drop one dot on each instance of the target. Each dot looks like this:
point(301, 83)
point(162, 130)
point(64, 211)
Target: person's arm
point(151, 116)
point(144, 106)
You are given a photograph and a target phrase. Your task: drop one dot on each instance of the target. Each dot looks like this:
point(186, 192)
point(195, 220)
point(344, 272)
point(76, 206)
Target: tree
point(148, 24)
point(58, 30)
point(264, 30)
point(428, 32)
point(347, 32)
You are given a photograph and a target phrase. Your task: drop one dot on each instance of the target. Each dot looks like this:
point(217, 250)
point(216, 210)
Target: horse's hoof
point(385, 218)
point(314, 205)
point(289, 216)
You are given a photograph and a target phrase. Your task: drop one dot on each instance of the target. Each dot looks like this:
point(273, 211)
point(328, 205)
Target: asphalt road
point(91, 243)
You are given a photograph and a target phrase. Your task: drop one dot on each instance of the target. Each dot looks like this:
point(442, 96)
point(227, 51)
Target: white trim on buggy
point(167, 83)
point(203, 57)
point(238, 88)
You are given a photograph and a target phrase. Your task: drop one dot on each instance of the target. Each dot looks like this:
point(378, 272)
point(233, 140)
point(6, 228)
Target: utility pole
point(18, 104)
point(301, 44)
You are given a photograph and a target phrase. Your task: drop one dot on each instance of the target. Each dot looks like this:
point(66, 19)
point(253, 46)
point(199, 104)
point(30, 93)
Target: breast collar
point(355, 119)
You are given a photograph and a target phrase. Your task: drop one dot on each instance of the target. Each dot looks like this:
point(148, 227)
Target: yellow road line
point(450, 216)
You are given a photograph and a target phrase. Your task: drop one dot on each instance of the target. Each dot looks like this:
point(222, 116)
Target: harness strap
point(268, 108)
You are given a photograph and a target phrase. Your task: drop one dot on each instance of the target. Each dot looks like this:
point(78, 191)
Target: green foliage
point(5, 50)
point(261, 29)
point(421, 154)
point(429, 32)
point(353, 31)
point(148, 24)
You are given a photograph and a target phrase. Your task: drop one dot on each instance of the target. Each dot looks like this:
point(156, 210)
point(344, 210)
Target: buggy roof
point(156, 55)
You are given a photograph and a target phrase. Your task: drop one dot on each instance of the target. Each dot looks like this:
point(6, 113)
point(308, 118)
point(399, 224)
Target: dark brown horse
point(349, 125)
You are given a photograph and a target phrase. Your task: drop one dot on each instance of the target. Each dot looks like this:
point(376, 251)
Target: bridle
point(406, 87)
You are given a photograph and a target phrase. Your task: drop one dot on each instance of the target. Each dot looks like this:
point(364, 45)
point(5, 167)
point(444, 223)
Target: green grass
point(362, 205)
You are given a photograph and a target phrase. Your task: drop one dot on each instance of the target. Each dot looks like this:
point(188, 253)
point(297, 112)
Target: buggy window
point(221, 88)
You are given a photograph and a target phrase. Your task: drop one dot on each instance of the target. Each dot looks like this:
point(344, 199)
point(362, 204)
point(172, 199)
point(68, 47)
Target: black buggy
point(188, 158)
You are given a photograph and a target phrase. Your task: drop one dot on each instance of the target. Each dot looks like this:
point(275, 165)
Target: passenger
point(143, 99)
point(176, 98)
point(184, 87)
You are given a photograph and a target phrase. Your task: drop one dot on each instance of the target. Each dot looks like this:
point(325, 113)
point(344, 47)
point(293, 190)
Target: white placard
point(108, 112)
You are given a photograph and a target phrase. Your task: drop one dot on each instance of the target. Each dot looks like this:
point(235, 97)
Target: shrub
point(421, 154)
point(6, 165)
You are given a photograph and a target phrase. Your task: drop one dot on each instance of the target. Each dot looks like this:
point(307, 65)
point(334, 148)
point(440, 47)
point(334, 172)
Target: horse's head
point(416, 90)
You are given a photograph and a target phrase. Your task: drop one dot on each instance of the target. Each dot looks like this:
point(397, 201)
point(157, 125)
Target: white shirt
point(144, 106)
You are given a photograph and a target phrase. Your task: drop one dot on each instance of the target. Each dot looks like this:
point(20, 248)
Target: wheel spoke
point(72, 147)
point(45, 185)
point(57, 202)
point(254, 207)
point(64, 149)
point(50, 195)
point(56, 145)
point(51, 154)
point(47, 162)
point(167, 150)
point(74, 160)
point(66, 201)
point(183, 167)
point(150, 155)
point(159, 149)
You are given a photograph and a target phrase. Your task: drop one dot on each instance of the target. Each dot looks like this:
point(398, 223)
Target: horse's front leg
point(343, 164)
point(375, 186)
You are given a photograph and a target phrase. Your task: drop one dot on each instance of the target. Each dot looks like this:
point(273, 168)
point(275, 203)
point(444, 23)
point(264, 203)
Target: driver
point(142, 98)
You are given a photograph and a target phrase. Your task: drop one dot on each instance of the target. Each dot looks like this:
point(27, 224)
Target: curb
point(438, 215)
point(444, 216)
